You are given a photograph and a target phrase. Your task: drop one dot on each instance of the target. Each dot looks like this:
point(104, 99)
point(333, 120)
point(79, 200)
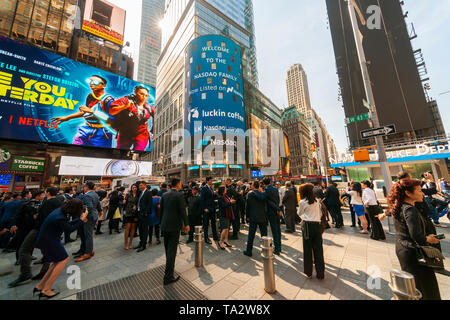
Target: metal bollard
point(269, 272)
point(198, 239)
point(403, 286)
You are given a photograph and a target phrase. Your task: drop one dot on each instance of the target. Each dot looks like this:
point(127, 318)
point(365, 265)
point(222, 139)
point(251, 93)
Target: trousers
point(252, 232)
point(171, 239)
point(313, 247)
point(336, 215)
point(87, 236)
point(236, 223)
point(290, 219)
point(26, 253)
point(143, 230)
point(208, 218)
point(274, 220)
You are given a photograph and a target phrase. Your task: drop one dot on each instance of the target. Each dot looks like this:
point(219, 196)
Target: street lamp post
point(371, 99)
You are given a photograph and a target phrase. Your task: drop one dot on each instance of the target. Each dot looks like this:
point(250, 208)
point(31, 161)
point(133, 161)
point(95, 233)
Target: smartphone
point(440, 236)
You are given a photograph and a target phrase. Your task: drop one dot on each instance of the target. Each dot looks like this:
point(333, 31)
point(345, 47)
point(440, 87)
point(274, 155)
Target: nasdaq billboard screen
point(215, 99)
point(48, 98)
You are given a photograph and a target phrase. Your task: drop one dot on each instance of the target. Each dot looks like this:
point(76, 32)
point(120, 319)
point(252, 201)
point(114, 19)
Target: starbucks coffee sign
point(27, 164)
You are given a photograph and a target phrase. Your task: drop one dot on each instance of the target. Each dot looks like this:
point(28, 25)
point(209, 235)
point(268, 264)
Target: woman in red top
point(132, 114)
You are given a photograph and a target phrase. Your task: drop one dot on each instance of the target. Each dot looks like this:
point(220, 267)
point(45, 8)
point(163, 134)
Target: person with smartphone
point(49, 241)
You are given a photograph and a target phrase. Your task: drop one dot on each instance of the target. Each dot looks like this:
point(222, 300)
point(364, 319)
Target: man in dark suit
point(92, 203)
point(208, 205)
point(273, 213)
point(236, 223)
point(257, 214)
point(163, 189)
point(173, 216)
point(194, 212)
point(144, 210)
point(333, 202)
point(318, 191)
point(290, 204)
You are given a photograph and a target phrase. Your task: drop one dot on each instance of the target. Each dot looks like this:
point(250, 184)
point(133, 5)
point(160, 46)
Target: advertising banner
point(28, 164)
point(215, 99)
point(5, 160)
point(48, 98)
point(78, 166)
point(104, 20)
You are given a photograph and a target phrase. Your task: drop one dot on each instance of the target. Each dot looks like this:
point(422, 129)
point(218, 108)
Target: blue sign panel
point(49, 98)
point(215, 99)
point(257, 174)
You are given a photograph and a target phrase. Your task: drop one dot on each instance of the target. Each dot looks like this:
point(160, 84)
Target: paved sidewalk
point(350, 260)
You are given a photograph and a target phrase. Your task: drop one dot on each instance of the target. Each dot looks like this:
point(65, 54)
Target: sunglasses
point(94, 82)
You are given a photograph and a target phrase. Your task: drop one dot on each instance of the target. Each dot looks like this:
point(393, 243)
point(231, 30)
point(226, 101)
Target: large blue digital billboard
point(215, 99)
point(48, 98)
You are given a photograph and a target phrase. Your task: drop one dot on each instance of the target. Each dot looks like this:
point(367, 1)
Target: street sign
point(383, 131)
point(358, 118)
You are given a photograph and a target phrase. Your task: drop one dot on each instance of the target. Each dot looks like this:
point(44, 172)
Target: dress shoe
point(278, 253)
point(98, 233)
point(43, 295)
point(77, 253)
point(92, 253)
point(167, 282)
point(19, 281)
point(207, 241)
point(137, 247)
point(69, 241)
point(83, 258)
point(247, 254)
point(141, 249)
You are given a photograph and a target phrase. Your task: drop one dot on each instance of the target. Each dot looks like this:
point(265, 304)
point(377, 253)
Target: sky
point(296, 31)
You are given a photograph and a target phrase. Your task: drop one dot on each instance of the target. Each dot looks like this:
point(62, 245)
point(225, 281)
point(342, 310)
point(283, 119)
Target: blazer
point(223, 207)
point(290, 200)
point(207, 199)
point(173, 211)
point(332, 197)
point(273, 199)
point(92, 203)
point(145, 203)
point(256, 207)
point(194, 207)
point(318, 193)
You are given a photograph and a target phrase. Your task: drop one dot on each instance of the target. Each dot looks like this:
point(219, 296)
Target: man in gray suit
point(92, 203)
point(173, 216)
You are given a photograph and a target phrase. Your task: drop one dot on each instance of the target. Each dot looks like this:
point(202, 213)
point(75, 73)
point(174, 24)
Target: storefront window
point(38, 22)
point(7, 9)
point(416, 170)
point(358, 174)
point(22, 19)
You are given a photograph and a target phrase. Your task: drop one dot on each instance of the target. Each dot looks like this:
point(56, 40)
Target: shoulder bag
point(429, 256)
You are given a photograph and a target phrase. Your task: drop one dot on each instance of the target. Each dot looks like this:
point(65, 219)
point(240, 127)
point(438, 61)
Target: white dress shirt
point(369, 198)
point(309, 212)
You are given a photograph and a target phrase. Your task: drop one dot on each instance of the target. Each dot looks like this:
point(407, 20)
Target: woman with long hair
point(130, 218)
point(358, 205)
point(371, 204)
point(226, 215)
point(410, 232)
point(310, 212)
point(49, 241)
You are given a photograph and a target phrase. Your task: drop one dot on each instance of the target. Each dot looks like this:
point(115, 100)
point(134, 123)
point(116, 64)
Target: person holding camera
point(49, 241)
point(131, 116)
point(429, 188)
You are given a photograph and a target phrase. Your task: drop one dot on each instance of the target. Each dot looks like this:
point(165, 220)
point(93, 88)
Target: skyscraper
point(297, 88)
point(184, 21)
point(397, 84)
point(150, 47)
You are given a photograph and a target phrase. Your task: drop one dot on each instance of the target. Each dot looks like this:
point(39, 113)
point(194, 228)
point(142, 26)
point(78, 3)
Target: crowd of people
point(43, 220)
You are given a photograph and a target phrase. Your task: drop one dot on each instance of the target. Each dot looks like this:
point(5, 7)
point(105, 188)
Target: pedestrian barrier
point(269, 271)
point(403, 286)
point(198, 239)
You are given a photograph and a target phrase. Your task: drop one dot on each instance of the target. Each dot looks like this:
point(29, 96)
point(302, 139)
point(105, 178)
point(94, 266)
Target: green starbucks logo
point(5, 155)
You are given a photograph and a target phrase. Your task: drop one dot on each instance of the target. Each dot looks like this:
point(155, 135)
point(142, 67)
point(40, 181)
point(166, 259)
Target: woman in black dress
point(410, 230)
point(130, 218)
point(49, 241)
point(226, 215)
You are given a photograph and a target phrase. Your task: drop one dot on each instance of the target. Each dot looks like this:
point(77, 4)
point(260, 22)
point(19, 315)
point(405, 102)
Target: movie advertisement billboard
point(104, 20)
point(215, 99)
point(48, 98)
point(79, 166)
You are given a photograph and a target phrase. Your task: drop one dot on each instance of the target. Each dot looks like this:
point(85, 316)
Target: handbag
point(324, 225)
point(117, 214)
point(429, 256)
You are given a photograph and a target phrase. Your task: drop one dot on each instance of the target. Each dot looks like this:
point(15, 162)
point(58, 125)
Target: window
point(230, 69)
point(224, 81)
point(236, 51)
point(213, 66)
point(220, 95)
point(199, 67)
point(233, 59)
point(209, 43)
point(209, 80)
point(203, 55)
point(234, 98)
point(204, 96)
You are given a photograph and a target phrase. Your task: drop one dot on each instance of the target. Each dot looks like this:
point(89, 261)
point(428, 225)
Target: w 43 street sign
point(358, 118)
point(383, 131)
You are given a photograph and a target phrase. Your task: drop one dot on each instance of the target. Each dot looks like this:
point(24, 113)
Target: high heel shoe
point(43, 295)
point(228, 245)
point(36, 290)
